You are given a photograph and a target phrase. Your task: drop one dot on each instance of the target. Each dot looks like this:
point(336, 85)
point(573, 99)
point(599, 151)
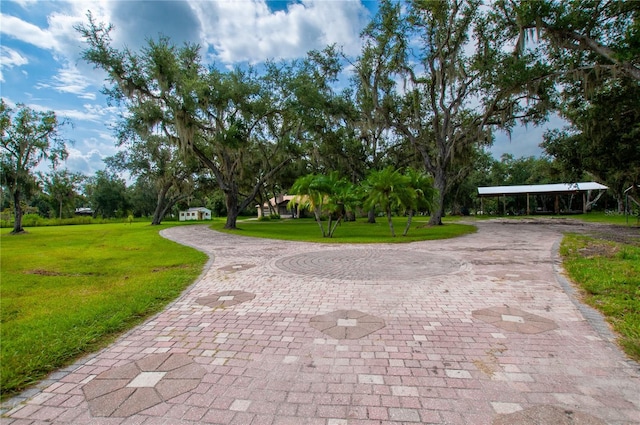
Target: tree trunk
point(333, 229)
point(316, 213)
point(393, 232)
point(438, 209)
point(17, 222)
point(620, 202)
point(160, 210)
point(408, 226)
point(371, 215)
point(233, 211)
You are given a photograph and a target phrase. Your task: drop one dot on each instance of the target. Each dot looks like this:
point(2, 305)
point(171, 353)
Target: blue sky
point(40, 63)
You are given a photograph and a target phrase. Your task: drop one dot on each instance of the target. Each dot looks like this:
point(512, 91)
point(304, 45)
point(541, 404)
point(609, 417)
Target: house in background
point(280, 205)
point(197, 213)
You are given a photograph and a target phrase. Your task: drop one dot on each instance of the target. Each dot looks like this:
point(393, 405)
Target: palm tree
point(343, 198)
point(311, 191)
point(324, 194)
point(388, 189)
point(425, 194)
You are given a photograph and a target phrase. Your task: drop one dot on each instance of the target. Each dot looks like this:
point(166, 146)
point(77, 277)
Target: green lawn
point(69, 290)
point(609, 275)
point(358, 231)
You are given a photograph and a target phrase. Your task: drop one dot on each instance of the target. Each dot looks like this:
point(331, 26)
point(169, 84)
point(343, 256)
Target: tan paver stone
point(173, 362)
point(106, 404)
point(404, 415)
point(346, 324)
point(232, 268)
point(97, 388)
point(225, 299)
point(546, 415)
point(172, 388)
point(159, 377)
point(141, 399)
point(150, 363)
point(125, 372)
point(515, 320)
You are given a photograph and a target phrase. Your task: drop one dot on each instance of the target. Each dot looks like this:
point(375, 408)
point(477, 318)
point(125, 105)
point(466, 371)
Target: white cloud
point(10, 58)
point(89, 112)
point(27, 32)
point(85, 162)
point(70, 80)
point(26, 3)
point(249, 31)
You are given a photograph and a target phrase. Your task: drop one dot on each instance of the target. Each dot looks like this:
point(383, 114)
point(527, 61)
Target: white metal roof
point(540, 188)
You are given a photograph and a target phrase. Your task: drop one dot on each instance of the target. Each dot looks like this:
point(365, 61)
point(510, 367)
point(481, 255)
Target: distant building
point(551, 191)
point(197, 213)
point(286, 206)
point(84, 211)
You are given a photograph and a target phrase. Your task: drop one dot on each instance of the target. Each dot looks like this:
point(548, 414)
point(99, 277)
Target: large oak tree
point(224, 119)
point(28, 138)
point(443, 80)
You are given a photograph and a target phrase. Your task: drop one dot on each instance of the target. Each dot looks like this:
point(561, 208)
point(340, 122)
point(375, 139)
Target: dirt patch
point(42, 272)
point(618, 234)
point(165, 268)
point(599, 248)
point(629, 235)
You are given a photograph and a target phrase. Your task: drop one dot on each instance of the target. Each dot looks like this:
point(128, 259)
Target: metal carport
point(541, 189)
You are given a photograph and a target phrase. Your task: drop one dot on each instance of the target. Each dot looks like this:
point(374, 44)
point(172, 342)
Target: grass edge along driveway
point(70, 290)
point(608, 276)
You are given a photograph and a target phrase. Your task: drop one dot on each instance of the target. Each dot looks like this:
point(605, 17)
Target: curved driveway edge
point(473, 330)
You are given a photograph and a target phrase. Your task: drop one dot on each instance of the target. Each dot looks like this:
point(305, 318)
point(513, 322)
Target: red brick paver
point(527, 351)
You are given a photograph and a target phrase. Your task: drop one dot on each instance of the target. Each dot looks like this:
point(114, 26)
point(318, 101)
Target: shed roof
point(540, 188)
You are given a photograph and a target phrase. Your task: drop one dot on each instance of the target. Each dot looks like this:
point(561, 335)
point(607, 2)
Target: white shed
point(197, 213)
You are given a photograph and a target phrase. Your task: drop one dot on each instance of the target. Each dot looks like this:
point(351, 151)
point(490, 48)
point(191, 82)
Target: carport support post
point(528, 209)
point(584, 203)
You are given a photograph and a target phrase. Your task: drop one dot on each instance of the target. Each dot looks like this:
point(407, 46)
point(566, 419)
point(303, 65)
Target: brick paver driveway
point(474, 330)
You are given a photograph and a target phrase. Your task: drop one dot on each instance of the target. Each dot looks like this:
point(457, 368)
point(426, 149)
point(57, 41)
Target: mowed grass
point(66, 291)
point(359, 231)
point(609, 275)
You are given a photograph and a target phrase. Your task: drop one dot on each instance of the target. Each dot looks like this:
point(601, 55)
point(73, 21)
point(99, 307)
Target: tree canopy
point(433, 82)
point(28, 138)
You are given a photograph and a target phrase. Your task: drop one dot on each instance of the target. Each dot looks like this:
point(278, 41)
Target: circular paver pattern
point(225, 299)
point(126, 390)
point(346, 324)
point(369, 265)
point(545, 415)
point(515, 320)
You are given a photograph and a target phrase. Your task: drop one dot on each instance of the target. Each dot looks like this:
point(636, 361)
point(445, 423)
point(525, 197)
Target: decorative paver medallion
point(515, 320)
point(369, 264)
point(225, 299)
point(538, 415)
point(347, 324)
point(129, 389)
point(232, 268)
